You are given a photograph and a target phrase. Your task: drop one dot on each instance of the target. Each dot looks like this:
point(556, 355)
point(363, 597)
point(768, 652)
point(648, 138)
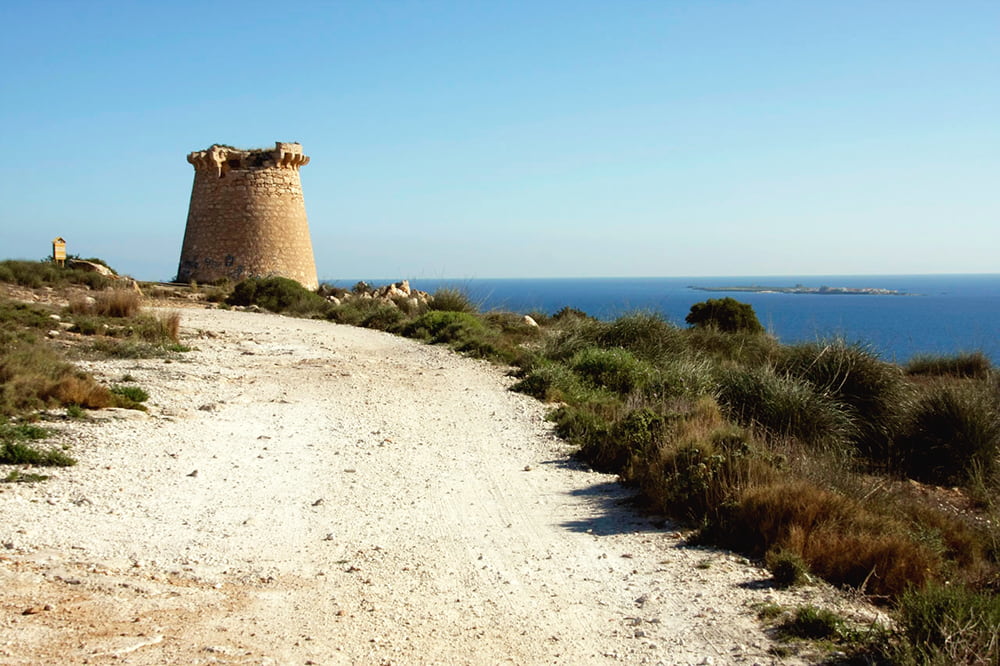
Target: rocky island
point(801, 289)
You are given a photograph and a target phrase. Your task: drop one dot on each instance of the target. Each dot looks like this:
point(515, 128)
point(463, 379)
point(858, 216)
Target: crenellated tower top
point(219, 159)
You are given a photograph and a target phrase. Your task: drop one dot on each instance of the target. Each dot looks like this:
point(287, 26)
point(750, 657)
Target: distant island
point(801, 289)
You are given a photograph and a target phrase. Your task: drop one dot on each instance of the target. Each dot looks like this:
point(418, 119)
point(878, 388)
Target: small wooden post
point(59, 250)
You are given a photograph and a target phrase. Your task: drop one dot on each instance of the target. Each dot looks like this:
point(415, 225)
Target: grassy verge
point(37, 342)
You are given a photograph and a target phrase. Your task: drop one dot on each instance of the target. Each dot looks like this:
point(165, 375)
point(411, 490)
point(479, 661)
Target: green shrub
point(725, 314)
point(646, 335)
point(23, 315)
point(278, 294)
point(613, 369)
point(133, 393)
point(815, 623)
point(450, 299)
point(568, 313)
point(17, 476)
point(19, 453)
point(680, 377)
point(445, 327)
point(35, 274)
point(875, 394)
point(129, 397)
point(572, 335)
point(634, 436)
point(15, 448)
point(787, 567)
point(697, 478)
point(972, 365)
point(952, 431)
point(784, 406)
point(553, 381)
point(949, 624)
point(383, 317)
point(744, 348)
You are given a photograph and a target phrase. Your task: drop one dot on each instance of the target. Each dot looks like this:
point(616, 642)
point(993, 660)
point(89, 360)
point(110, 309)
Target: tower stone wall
point(247, 216)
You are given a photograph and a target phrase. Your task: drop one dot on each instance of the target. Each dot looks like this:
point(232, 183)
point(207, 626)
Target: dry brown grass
point(837, 537)
point(82, 390)
point(81, 304)
point(171, 324)
point(117, 303)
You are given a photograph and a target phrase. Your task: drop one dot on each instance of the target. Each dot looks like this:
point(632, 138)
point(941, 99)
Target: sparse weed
point(17, 476)
point(16, 449)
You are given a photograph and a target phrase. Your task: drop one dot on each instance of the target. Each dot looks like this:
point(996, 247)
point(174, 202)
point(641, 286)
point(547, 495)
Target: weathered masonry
point(247, 216)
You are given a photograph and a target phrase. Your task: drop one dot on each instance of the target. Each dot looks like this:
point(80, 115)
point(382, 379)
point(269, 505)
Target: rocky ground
point(301, 492)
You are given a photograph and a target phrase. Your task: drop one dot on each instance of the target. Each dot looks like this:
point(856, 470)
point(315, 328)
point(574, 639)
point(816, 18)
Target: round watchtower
point(247, 216)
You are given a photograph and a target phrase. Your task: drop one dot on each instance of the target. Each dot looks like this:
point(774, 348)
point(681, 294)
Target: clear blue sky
point(520, 139)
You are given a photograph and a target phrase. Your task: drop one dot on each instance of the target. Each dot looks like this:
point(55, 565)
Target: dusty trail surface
point(302, 492)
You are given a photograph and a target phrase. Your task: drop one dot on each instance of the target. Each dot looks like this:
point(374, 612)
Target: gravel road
point(302, 492)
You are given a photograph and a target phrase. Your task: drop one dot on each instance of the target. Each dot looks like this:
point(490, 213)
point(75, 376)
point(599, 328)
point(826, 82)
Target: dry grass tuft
point(81, 390)
point(117, 303)
point(171, 324)
point(836, 536)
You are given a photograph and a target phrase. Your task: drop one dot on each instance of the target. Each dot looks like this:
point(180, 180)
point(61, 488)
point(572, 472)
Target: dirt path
point(302, 492)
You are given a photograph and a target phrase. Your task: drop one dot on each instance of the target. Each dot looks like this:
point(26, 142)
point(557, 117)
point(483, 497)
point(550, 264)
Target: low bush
point(33, 375)
point(450, 299)
point(787, 568)
point(16, 449)
point(613, 369)
point(383, 317)
point(874, 393)
point(448, 326)
point(748, 349)
point(278, 294)
point(707, 467)
point(570, 336)
point(725, 314)
point(35, 274)
point(814, 623)
point(129, 397)
point(974, 365)
point(952, 433)
point(784, 406)
point(944, 624)
point(838, 538)
point(645, 335)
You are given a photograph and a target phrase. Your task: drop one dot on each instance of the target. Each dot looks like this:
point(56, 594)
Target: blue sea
point(940, 314)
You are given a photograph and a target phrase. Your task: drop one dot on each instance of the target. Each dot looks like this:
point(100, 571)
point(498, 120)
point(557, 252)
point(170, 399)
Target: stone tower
point(247, 217)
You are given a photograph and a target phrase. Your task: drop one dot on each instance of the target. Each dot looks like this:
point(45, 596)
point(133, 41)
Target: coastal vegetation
point(820, 460)
point(40, 340)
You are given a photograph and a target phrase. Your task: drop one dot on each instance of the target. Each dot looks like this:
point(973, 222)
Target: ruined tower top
point(220, 158)
point(247, 216)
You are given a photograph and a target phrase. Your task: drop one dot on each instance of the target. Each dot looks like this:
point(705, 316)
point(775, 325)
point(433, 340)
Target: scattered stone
point(528, 321)
point(194, 473)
